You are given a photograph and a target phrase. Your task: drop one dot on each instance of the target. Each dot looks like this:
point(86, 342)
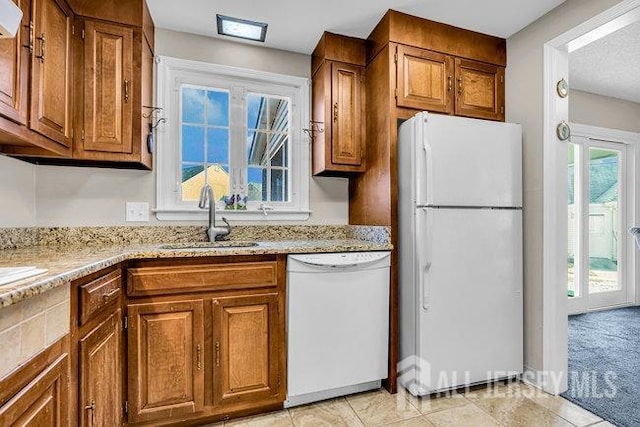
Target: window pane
point(256, 180)
point(257, 112)
point(192, 105)
point(278, 193)
point(604, 227)
point(279, 157)
point(257, 146)
point(218, 179)
point(572, 224)
point(278, 115)
point(192, 143)
point(217, 108)
point(192, 179)
point(217, 145)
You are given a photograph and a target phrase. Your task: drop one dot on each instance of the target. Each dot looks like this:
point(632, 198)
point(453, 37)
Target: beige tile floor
point(502, 405)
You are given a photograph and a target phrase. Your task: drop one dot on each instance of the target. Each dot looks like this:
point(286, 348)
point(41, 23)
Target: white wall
point(603, 111)
point(524, 99)
point(71, 196)
point(17, 193)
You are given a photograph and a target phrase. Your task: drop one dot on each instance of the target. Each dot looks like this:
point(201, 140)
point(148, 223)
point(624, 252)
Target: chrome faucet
point(206, 194)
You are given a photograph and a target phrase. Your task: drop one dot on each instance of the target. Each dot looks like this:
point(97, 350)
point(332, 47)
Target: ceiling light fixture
point(241, 28)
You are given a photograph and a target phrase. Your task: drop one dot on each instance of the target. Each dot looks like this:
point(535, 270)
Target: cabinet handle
point(108, 295)
point(92, 408)
point(126, 90)
point(29, 45)
point(449, 83)
point(217, 353)
point(41, 56)
point(198, 358)
point(335, 112)
point(459, 85)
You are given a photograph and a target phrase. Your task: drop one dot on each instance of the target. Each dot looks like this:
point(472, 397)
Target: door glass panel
point(573, 289)
point(603, 221)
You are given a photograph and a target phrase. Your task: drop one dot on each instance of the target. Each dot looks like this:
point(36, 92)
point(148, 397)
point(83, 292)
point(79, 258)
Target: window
point(237, 130)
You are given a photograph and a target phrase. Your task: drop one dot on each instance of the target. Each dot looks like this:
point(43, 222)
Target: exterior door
point(14, 70)
point(166, 373)
point(51, 71)
point(348, 118)
point(598, 243)
point(43, 402)
point(100, 373)
point(247, 342)
point(108, 79)
point(425, 80)
point(479, 90)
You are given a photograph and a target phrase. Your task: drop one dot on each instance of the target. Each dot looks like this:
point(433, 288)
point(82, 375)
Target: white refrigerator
point(460, 252)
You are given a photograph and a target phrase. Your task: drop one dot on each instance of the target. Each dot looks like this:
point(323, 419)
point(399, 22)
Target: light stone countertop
point(67, 263)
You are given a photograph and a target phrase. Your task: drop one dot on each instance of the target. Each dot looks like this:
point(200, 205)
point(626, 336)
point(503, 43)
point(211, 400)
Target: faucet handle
point(228, 225)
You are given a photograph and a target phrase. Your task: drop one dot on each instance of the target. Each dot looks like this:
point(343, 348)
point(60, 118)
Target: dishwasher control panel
point(342, 259)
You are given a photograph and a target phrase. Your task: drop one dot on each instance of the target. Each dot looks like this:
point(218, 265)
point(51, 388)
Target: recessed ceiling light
point(241, 28)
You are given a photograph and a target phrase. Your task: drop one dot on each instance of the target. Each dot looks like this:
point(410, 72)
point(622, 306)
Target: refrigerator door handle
point(424, 266)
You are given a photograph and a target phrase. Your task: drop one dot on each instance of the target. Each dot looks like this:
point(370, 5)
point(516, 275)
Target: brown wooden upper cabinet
point(338, 105)
point(108, 77)
point(116, 63)
point(425, 80)
point(14, 70)
point(75, 81)
point(479, 90)
point(51, 92)
point(440, 83)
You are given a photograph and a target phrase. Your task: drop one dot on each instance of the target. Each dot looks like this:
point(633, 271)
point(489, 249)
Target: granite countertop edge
point(15, 292)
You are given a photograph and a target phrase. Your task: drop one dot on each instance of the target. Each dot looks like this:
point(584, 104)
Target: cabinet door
point(14, 70)
point(247, 340)
point(108, 80)
point(165, 345)
point(425, 80)
point(51, 70)
point(347, 128)
point(43, 402)
point(480, 90)
point(101, 375)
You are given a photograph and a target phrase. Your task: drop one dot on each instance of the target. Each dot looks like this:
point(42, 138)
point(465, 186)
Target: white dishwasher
point(338, 324)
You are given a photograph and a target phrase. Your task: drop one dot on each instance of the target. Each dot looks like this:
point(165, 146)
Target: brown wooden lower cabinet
point(43, 401)
point(100, 399)
point(166, 374)
point(246, 348)
point(211, 353)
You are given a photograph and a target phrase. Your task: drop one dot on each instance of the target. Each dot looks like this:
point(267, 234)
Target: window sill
point(231, 215)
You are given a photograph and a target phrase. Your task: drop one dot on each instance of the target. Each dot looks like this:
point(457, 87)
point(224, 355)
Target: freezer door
point(470, 322)
point(467, 162)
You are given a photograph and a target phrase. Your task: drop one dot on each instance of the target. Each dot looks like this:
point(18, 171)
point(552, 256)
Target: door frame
point(554, 378)
point(629, 142)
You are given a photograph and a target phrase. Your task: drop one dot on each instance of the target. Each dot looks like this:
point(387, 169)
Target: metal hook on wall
point(152, 113)
point(314, 127)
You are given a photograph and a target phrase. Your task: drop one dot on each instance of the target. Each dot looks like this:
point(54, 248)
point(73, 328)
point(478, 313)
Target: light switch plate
point(137, 212)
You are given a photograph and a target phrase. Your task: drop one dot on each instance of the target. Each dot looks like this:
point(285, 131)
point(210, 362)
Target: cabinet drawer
point(199, 278)
point(99, 293)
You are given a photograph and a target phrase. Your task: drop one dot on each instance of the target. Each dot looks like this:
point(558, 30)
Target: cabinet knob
point(449, 83)
point(198, 357)
point(335, 112)
point(217, 353)
point(459, 85)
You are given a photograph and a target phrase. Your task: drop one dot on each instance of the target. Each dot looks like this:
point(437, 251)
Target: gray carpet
point(604, 364)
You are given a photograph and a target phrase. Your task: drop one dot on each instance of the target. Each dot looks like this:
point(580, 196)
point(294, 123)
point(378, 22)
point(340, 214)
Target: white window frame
point(171, 74)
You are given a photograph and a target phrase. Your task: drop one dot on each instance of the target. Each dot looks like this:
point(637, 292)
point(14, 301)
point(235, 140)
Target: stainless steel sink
point(210, 245)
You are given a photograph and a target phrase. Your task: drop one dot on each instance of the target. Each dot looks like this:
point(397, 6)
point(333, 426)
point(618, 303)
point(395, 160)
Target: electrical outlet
point(137, 212)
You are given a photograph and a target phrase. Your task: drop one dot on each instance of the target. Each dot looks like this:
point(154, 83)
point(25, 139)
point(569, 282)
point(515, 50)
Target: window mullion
point(236, 138)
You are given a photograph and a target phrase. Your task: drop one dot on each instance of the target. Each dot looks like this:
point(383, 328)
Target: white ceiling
point(296, 25)
point(609, 66)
